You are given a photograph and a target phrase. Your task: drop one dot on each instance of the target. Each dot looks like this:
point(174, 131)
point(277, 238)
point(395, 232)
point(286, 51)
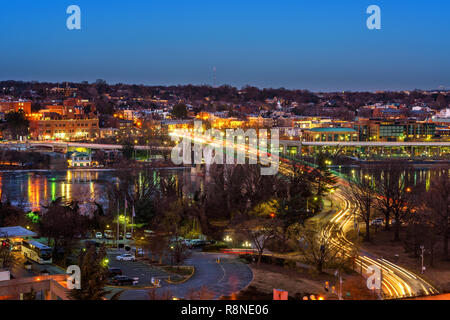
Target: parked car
point(186, 242)
point(128, 235)
point(109, 234)
point(126, 257)
point(98, 235)
point(148, 233)
point(197, 243)
point(112, 272)
point(176, 239)
point(377, 222)
point(140, 252)
point(124, 281)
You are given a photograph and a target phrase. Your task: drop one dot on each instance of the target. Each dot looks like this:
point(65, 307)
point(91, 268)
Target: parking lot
point(137, 269)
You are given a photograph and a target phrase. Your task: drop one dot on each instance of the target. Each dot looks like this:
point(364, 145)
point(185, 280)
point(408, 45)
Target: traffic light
point(327, 286)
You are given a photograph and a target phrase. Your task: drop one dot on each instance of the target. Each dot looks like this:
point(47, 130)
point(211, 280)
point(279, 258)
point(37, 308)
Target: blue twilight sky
point(321, 45)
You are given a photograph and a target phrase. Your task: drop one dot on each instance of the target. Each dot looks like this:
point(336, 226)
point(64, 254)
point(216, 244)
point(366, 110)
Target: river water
point(415, 175)
point(32, 189)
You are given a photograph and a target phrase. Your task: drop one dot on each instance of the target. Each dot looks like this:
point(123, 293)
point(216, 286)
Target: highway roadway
point(397, 282)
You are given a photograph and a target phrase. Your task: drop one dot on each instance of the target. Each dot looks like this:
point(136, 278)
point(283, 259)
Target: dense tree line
point(349, 100)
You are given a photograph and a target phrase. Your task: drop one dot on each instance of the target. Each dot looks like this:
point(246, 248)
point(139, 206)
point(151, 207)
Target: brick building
point(9, 106)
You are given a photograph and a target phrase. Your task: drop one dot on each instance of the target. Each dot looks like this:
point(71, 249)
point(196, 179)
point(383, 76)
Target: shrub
point(215, 247)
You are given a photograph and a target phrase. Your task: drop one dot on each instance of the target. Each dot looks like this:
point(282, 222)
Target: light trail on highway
point(397, 282)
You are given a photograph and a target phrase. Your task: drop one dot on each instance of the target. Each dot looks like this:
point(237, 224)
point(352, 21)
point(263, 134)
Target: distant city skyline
point(322, 46)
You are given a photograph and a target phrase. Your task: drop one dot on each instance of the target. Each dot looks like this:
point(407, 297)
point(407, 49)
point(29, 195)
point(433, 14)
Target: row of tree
point(424, 213)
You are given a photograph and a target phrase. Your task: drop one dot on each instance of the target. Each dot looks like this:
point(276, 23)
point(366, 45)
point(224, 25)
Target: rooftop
point(16, 232)
point(332, 130)
point(77, 154)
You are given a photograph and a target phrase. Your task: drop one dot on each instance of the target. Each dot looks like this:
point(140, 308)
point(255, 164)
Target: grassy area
point(179, 274)
point(182, 271)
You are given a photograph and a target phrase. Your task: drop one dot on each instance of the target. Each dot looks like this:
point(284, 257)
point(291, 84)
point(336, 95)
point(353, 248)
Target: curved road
point(397, 282)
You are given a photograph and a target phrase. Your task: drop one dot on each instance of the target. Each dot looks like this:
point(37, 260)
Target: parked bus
point(37, 252)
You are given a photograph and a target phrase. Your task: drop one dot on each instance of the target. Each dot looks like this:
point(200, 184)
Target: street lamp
point(105, 262)
point(247, 244)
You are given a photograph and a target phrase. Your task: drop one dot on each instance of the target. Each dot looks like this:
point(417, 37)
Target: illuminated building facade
point(79, 160)
point(6, 107)
point(395, 130)
point(64, 129)
point(63, 122)
point(330, 135)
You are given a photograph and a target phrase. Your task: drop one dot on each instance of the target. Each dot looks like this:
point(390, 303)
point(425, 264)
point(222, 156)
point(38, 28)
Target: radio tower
point(214, 76)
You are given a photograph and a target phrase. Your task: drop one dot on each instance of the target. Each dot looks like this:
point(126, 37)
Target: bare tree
point(6, 257)
point(62, 223)
point(437, 205)
point(11, 215)
point(361, 193)
point(394, 196)
point(318, 248)
point(241, 188)
point(165, 295)
point(260, 231)
point(421, 230)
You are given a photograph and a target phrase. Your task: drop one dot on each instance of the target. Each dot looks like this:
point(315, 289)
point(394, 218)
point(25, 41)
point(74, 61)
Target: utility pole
point(125, 220)
point(118, 227)
point(339, 275)
point(422, 248)
point(132, 220)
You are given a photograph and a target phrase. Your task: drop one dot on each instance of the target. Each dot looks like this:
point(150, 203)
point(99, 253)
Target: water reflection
point(32, 189)
point(414, 176)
